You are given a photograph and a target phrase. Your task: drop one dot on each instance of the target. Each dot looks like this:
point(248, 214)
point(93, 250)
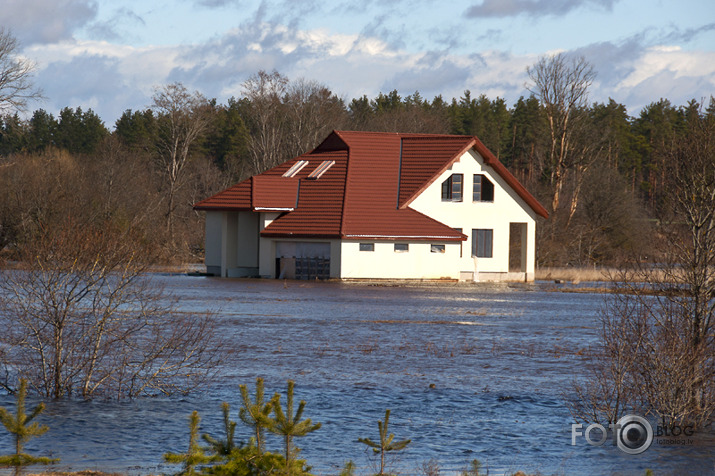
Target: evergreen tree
point(227, 141)
point(195, 455)
point(256, 414)
point(223, 447)
point(289, 425)
point(137, 130)
point(41, 135)
point(386, 443)
point(19, 425)
point(79, 132)
point(12, 134)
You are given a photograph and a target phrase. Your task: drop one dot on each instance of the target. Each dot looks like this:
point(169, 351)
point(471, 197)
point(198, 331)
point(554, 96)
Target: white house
point(369, 205)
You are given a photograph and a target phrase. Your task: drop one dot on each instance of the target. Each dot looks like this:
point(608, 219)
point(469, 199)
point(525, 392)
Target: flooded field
point(468, 371)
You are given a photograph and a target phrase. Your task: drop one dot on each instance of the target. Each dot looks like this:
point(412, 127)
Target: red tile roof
point(365, 193)
point(274, 193)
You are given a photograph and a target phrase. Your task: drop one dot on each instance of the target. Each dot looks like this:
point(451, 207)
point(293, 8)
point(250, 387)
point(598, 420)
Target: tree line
point(602, 173)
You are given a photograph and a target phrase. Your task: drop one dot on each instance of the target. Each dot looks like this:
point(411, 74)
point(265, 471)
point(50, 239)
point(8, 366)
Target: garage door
point(302, 260)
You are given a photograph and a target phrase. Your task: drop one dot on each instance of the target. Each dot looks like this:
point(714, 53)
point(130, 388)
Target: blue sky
point(109, 55)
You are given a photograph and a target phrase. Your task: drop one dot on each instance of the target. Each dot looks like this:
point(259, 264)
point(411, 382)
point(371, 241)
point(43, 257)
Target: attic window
point(452, 188)
point(483, 189)
point(321, 169)
point(297, 167)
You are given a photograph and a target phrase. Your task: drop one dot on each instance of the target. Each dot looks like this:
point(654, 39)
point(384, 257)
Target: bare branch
point(16, 86)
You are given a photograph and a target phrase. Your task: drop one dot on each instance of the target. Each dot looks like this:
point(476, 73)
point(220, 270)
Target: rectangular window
point(367, 246)
point(483, 189)
point(436, 248)
point(452, 188)
point(482, 243)
point(402, 247)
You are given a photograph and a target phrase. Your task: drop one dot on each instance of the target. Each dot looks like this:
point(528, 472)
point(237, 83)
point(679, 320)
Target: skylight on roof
point(321, 169)
point(297, 167)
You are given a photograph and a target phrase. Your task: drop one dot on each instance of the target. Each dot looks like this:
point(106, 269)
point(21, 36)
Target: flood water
point(468, 371)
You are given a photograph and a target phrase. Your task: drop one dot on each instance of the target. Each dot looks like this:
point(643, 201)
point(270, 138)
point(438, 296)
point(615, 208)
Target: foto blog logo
point(632, 434)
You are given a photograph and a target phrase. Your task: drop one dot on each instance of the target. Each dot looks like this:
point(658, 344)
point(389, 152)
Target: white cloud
point(46, 21)
point(112, 77)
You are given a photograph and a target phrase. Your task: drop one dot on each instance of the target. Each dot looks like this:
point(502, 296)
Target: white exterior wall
point(266, 247)
point(212, 244)
point(386, 263)
point(231, 245)
point(506, 208)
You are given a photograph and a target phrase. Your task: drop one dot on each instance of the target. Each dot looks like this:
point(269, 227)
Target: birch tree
point(561, 84)
point(183, 117)
point(267, 120)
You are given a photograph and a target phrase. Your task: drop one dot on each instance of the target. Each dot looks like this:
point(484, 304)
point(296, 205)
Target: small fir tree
point(289, 425)
point(223, 447)
point(195, 454)
point(386, 443)
point(19, 425)
point(256, 414)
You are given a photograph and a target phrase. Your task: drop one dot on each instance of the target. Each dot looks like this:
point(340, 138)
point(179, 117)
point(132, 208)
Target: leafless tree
point(657, 345)
point(267, 119)
point(561, 84)
point(312, 112)
point(183, 117)
point(16, 86)
point(82, 318)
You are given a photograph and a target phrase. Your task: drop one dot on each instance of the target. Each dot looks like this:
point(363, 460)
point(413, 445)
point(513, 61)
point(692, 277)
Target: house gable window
point(402, 247)
point(367, 246)
point(452, 188)
point(483, 189)
point(482, 243)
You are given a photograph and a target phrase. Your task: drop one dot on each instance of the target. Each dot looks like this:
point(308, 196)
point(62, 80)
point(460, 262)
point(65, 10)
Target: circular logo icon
point(634, 434)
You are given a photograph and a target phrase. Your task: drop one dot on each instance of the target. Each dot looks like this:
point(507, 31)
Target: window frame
point(437, 248)
point(484, 189)
point(483, 242)
point(405, 245)
point(453, 188)
point(367, 247)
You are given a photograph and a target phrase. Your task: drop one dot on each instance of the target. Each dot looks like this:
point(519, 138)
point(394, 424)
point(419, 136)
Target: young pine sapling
point(386, 443)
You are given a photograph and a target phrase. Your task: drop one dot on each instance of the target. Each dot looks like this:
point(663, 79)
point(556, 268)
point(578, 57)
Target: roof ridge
point(416, 135)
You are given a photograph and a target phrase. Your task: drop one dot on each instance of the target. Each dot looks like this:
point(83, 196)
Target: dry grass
point(578, 275)
point(574, 275)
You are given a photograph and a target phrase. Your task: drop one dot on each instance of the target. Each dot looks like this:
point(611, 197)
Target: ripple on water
point(468, 372)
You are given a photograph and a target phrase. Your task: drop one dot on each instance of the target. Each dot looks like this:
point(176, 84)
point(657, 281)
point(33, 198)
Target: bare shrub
point(656, 353)
point(83, 318)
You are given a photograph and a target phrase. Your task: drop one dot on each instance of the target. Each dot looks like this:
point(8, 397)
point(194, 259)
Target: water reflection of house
point(377, 205)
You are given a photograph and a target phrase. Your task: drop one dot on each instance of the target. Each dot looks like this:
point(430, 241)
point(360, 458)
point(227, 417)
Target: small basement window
point(483, 189)
point(402, 247)
point(452, 188)
point(321, 169)
point(367, 246)
point(297, 167)
point(436, 248)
